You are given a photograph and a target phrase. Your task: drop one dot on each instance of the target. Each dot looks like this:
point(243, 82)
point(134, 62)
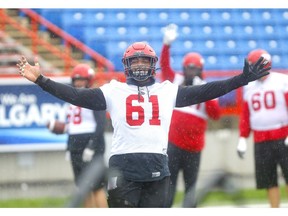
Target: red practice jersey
point(188, 124)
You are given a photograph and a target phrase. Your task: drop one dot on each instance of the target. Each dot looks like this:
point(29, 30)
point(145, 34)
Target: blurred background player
point(265, 113)
point(188, 124)
point(86, 136)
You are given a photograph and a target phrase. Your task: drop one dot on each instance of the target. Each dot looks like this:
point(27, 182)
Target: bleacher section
point(222, 36)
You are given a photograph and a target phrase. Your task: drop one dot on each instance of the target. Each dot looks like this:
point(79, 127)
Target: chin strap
point(148, 82)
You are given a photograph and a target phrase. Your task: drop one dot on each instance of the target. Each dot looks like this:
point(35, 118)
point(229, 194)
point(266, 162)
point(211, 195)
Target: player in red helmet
point(86, 137)
point(264, 112)
point(188, 125)
point(254, 55)
point(141, 72)
point(82, 72)
point(193, 64)
point(141, 111)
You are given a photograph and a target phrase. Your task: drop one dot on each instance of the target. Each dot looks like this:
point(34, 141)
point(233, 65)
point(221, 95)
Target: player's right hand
point(242, 147)
point(28, 71)
point(170, 34)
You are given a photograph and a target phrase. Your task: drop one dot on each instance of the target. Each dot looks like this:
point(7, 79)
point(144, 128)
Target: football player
point(265, 114)
point(188, 124)
point(86, 136)
point(141, 111)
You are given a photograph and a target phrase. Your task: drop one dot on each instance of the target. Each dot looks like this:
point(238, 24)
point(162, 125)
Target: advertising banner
point(25, 110)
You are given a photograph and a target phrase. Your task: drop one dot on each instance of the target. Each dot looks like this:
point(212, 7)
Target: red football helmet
point(254, 55)
point(84, 72)
point(139, 50)
point(193, 60)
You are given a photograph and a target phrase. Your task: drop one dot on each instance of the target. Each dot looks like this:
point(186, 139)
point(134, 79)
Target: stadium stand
point(224, 36)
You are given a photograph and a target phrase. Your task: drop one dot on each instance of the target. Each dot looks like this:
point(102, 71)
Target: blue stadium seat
point(180, 16)
point(140, 17)
point(75, 22)
point(280, 16)
point(230, 62)
point(223, 36)
point(271, 45)
point(52, 15)
point(200, 16)
point(280, 61)
point(176, 62)
point(222, 17)
point(211, 62)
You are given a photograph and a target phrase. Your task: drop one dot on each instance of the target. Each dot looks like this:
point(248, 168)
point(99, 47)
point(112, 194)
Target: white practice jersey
point(266, 101)
point(80, 120)
point(135, 116)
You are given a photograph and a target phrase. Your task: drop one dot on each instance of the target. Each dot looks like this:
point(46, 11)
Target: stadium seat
point(180, 16)
point(280, 16)
point(229, 62)
point(176, 62)
point(52, 15)
point(210, 62)
point(224, 36)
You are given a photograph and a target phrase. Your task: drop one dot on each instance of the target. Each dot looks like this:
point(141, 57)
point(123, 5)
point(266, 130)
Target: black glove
point(252, 72)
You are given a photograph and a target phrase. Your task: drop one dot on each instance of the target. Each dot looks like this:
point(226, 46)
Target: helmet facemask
point(190, 72)
point(82, 72)
point(87, 85)
point(140, 72)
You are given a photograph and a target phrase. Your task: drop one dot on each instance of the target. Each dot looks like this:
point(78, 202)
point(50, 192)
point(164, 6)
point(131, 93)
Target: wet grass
point(213, 198)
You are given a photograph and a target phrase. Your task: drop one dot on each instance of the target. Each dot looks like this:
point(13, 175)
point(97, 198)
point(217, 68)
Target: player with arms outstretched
point(141, 111)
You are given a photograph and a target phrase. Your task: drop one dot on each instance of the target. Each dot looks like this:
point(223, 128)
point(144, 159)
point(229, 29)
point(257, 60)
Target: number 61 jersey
point(140, 116)
point(265, 108)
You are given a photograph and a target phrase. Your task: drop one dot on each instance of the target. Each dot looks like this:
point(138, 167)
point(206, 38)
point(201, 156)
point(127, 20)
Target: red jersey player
point(188, 124)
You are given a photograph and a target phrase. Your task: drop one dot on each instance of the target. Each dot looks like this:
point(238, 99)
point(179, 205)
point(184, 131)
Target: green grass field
point(215, 198)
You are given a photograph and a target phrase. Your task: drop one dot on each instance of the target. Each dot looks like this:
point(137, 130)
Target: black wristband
point(41, 79)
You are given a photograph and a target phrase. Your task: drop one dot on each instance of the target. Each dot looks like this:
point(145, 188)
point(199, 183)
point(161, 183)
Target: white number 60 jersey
point(267, 102)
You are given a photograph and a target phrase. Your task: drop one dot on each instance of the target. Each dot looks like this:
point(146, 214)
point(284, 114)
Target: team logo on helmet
point(254, 55)
point(193, 59)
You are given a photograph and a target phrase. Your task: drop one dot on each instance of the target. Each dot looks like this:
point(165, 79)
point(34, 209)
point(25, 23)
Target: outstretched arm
point(88, 98)
point(167, 72)
point(170, 34)
point(190, 95)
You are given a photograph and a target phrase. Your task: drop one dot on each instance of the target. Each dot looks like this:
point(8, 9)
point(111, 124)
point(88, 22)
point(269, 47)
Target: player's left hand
point(242, 147)
point(170, 34)
point(87, 154)
point(286, 141)
point(253, 72)
point(197, 80)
